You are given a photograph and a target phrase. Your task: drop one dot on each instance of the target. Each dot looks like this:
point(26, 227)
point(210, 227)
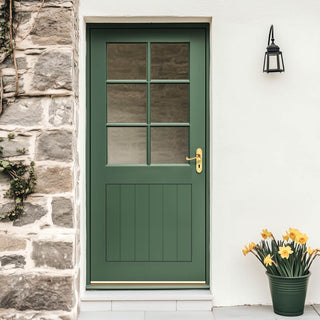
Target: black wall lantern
point(273, 60)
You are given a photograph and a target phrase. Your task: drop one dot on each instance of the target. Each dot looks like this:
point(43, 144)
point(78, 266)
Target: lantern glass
point(281, 65)
point(273, 62)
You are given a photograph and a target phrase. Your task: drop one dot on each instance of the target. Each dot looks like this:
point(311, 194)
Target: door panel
point(139, 229)
point(147, 111)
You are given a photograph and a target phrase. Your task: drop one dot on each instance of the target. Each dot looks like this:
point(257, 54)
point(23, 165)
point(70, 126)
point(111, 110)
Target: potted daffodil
point(287, 264)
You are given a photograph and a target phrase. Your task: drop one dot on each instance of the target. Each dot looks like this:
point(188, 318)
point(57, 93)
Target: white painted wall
point(265, 130)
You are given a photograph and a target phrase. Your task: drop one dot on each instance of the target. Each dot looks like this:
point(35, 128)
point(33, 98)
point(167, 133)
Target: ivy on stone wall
point(8, 45)
point(7, 13)
point(5, 46)
point(22, 177)
point(22, 182)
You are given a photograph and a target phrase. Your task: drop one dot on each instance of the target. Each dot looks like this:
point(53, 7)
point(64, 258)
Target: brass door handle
point(198, 158)
point(191, 158)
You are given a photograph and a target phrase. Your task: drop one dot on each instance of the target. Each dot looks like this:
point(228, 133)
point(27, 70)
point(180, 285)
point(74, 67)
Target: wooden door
point(147, 114)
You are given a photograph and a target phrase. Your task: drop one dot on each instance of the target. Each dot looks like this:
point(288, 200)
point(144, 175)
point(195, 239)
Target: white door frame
point(80, 119)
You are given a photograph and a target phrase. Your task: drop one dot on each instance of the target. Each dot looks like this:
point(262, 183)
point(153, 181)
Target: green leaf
point(11, 136)
point(20, 185)
point(5, 163)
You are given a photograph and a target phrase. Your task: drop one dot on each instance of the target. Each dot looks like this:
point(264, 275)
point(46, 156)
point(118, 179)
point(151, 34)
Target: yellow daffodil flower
point(285, 252)
point(266, 234)
point(301, 238)
point(293, 233)
point(268, 260)
point(286, 236)
point(246, 250)
point(249, 248)
point(310, 251)
point(252, 245)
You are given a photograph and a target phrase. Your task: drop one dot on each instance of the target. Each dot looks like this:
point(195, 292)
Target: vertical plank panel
point(170, 222)
point(127, 222)
point(113, 230)
point(184, 223)
point(142, 223)
point(156, 228)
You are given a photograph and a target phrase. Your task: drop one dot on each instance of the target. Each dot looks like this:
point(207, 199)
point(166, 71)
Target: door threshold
point(147, 300)
point(150, 283)
point(146, 286)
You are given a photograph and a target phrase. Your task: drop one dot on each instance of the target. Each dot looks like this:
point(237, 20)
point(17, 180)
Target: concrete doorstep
point(311, 312)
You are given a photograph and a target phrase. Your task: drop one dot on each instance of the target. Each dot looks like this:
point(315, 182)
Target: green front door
point(147, 203)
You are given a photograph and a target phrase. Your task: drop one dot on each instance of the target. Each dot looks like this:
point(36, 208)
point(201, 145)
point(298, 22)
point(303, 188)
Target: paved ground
point(261, 313)
point(224, 313)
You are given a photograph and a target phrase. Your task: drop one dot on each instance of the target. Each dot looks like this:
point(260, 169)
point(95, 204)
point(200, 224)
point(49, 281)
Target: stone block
point(21, 63)
point(53, 70)
point(23, 112)
point(4, 208)
point(53, 179)
point(62, 212)
point(15, 260)
point(14, 147)
point(22, 16)
point(36, 292)
point(54, 145)
point(31, 213)
point(52, 254)
point(53, 27)
point(9, 84)
point(9, 243)
point(60, 111)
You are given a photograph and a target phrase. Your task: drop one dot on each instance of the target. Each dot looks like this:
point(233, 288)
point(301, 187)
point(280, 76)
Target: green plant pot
point(288, 294)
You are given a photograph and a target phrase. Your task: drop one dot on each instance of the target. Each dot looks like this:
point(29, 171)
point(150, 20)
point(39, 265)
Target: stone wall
point(38, 257)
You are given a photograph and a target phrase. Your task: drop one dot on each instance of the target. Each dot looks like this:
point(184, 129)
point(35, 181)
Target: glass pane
point(127, 103)
point(273, 62)
point(126, 61)
point(170, 61)
point(169, 144)
point(127, 145)
point(170, 103)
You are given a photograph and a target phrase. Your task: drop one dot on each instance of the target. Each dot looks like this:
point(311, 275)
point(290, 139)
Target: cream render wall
point(265, 132)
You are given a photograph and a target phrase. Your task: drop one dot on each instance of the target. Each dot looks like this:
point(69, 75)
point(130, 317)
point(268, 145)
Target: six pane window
point(147, 103)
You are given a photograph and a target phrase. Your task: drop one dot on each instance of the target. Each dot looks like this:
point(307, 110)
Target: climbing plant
point(8, 45)
point(22, 176)
point(22, 182)
point(5, 12)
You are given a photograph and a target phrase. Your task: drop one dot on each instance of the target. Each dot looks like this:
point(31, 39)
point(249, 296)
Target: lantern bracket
point(271, 34)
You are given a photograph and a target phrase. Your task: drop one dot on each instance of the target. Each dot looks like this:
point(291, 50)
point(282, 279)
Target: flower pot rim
point(281, 277)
